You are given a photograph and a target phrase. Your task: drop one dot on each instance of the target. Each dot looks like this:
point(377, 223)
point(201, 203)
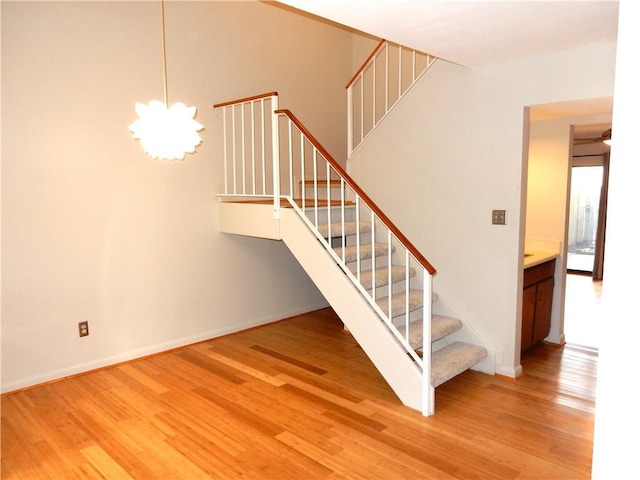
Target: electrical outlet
point(498, 217)
point(83, 329)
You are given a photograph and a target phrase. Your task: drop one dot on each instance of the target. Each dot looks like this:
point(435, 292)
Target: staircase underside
point(404, 375)
point(400, 371)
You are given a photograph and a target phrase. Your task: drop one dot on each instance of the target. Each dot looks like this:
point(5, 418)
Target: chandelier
point(166, 133)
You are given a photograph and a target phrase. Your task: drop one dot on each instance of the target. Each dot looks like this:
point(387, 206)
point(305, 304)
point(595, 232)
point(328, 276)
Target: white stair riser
point(310, 186)
point(308, 191)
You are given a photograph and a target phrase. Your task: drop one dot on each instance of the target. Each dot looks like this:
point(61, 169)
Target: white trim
point(509, 372)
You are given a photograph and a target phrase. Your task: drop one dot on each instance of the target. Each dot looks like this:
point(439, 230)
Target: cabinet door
point(528, 316)
point(544, 302)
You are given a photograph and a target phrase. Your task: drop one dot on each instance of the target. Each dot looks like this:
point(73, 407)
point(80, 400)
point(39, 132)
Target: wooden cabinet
point(536, 303)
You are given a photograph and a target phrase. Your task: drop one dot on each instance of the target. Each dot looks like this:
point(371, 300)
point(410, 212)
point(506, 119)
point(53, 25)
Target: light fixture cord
point(164, 56)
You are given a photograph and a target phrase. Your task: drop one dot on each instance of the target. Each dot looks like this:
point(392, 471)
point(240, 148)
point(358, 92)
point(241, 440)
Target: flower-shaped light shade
point(166, 133)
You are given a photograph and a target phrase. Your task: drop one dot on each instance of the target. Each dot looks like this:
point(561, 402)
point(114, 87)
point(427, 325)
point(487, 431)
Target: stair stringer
point(391, 360)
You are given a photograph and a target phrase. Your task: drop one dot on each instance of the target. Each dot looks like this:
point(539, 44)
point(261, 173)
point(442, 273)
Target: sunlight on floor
point(582, 310)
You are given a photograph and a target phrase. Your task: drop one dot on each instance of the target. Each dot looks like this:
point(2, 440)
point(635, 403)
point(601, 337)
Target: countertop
point(536, 257)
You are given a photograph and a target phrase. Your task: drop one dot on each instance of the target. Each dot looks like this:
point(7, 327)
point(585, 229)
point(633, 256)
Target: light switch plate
point(498, 217)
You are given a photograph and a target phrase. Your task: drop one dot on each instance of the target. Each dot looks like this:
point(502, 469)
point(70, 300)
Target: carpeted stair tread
point(454, 359)
point(349, 228)
point(351, 251)
point(398, 273)
point(441, 326)
point(398, 302)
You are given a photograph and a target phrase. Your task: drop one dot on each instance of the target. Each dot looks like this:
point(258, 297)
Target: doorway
point(555, 146)
point(586, 225)
point(587, 215)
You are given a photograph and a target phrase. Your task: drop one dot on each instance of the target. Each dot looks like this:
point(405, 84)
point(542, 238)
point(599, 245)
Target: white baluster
point(350, 119)
point(225, 140)
point(244, 167)
point(275, 160)
point(253, 149)
point(233, 131)
point(262, 149)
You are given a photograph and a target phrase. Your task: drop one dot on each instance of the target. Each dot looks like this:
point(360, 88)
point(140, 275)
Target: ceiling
point(476, 33)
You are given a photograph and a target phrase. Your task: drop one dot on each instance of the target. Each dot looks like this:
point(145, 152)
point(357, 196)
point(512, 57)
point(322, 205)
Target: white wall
point(617, 415)
point(465, 159)
point(92, 228)
point(363, 45)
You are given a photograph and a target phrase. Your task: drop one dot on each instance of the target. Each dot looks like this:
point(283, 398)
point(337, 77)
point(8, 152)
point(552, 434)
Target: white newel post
point(428, 392)
point(275, 152)
point(350, 119)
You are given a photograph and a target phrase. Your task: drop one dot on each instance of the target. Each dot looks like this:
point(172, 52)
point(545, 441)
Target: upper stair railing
point(250, 132)
point(262, 142)
point(383, 79)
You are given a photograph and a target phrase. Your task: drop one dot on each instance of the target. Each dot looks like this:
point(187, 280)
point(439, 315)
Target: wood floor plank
point(254, 372)
point(299, 399)
point(213, 454)
point(331, 460)
point(145, 380)
point(104, 463)
point(293, 361)
point(120, 446)
point(330, 396)
point(248, 418)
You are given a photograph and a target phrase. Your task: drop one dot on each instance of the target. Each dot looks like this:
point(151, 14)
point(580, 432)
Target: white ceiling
point(476, 33)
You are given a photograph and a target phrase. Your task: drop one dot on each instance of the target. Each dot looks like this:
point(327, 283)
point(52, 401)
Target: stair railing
point(258, 143)
point(383, 79)
point(250, 145)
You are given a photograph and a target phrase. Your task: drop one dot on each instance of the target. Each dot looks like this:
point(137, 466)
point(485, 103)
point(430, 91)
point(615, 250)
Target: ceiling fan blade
point(606, 135)
point(587, 141)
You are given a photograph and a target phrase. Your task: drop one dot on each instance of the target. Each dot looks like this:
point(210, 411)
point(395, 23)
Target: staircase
point(281, 184)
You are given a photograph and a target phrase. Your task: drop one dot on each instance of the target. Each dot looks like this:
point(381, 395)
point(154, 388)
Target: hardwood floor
point(298, 399)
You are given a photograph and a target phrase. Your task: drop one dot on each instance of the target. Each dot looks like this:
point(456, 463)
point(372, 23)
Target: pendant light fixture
point(166, 133)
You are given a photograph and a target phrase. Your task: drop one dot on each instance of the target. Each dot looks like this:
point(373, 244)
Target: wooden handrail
point(375, 50)
point(352, 183)
point(245, 100)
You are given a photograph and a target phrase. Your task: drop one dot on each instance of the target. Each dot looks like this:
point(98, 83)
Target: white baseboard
point(150, 350)
point(509, 372)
